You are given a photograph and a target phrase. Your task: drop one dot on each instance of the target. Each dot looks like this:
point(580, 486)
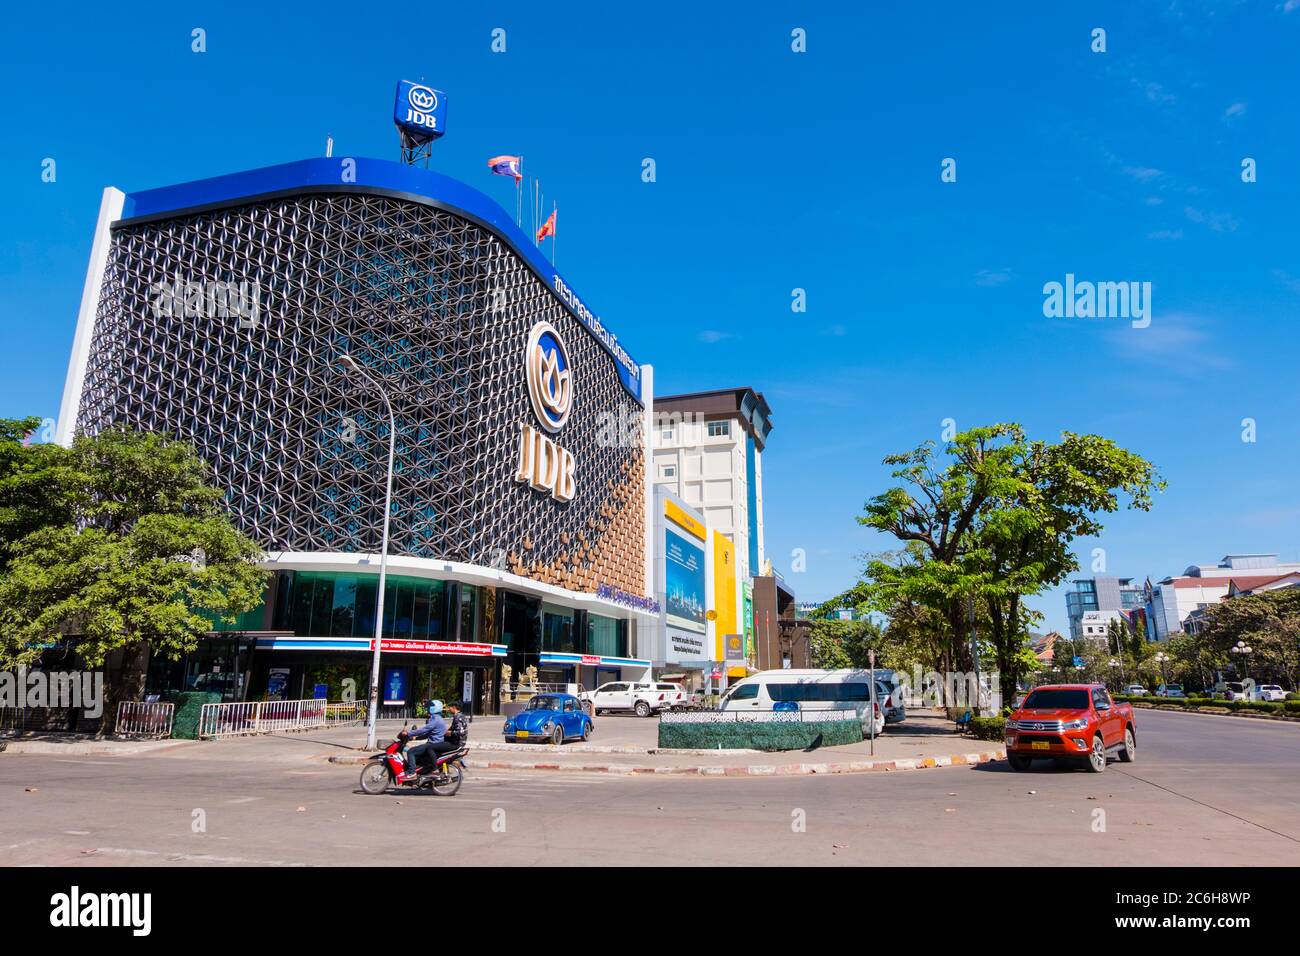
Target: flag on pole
point(548, 227)
point(506, 166)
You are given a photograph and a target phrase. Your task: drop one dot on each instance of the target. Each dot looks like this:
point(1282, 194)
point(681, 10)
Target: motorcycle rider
point(434, 730)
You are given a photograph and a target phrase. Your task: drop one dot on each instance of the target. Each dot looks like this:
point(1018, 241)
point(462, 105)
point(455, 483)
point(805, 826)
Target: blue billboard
point(420, 111)
point(684, 602)
point(395, 686)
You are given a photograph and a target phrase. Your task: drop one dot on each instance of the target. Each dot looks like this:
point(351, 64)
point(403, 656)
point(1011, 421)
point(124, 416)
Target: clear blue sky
point(778, 170)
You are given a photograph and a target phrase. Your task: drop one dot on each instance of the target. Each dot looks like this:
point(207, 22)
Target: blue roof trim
point(384, 176)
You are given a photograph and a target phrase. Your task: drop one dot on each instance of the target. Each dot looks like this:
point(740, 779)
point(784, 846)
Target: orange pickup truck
point(1070, 721)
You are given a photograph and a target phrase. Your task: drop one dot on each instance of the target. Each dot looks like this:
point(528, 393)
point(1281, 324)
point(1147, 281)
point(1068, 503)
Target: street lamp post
point(349, 363)
point(1114, 664)
point(1242, 650)
point(1164, 678)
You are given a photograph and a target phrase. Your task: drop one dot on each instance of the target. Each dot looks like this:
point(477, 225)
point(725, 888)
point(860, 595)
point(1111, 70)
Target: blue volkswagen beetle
point(553, 718)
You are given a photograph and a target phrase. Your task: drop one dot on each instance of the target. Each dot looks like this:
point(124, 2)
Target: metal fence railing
point(140, 719)
point(346, 712)
point(261, 717)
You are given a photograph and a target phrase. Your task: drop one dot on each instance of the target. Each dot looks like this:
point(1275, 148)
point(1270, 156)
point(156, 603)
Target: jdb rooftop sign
point(420, 110)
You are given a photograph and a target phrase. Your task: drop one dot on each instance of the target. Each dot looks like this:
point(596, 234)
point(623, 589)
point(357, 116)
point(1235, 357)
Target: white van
point(807, 690)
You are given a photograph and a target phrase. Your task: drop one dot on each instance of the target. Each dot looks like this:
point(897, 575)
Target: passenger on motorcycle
point(456, 734)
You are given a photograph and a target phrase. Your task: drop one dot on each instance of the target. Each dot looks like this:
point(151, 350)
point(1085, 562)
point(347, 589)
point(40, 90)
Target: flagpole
point(555, 236)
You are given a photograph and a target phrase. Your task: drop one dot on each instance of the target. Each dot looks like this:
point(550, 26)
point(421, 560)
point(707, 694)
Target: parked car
point(807, 690)
point(1135, 690)
point(1170, 690)
point(1076, 722)
point(675, 697)
point(640, 698)
point(549, 718)
point(1232, 690)
point(891, 702)
point(1270, 692)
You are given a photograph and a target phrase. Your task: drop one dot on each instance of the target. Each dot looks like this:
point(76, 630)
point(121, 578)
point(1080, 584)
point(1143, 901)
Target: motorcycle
point(391, 769)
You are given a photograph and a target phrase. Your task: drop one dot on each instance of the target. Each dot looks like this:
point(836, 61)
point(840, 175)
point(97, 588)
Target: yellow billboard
point(724, 590)
point(679, 515)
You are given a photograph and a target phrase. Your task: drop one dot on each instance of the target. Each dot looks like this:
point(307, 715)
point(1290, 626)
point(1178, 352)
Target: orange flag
point(548, 227)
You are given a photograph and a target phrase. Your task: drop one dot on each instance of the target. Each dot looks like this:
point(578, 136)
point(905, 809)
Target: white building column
point(110, 210)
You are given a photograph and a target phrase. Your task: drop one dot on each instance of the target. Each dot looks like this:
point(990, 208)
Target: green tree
point(993, 524)
point(1268, 622)
point(141, 559)
point(838, 644)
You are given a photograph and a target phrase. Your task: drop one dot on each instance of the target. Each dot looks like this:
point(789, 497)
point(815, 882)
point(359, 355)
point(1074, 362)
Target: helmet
point(435, 707)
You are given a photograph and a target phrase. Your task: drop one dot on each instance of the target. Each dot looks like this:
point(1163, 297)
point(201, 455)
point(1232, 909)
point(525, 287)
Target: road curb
point(753, 770)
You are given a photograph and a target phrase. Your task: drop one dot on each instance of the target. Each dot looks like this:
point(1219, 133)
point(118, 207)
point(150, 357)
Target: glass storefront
point(328, 604)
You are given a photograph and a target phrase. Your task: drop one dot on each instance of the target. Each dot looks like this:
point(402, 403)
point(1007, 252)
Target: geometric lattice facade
point(435, 305)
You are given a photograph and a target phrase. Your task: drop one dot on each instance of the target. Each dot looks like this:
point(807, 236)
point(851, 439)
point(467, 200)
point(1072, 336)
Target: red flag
point(548, 227)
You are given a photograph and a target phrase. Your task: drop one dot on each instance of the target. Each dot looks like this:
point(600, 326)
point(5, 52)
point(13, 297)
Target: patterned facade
point(435, 305)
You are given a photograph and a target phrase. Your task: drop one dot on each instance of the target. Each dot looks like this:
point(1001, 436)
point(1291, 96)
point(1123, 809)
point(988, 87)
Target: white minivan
point(807, 690)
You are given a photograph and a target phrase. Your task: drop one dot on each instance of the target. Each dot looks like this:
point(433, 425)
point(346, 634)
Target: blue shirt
point(435, 730)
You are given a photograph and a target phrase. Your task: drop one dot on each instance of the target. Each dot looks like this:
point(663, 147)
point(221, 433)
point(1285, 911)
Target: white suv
point(1270, 692)
point(643, 699)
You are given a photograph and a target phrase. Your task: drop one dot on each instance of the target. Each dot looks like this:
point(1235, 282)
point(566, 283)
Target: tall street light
point(1242, 650)
point(349, 363)
point(1164, 678)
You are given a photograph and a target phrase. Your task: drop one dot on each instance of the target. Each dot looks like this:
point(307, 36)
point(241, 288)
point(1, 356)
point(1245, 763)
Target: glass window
point(668, 471)
point(468, 610)
point(557, 629)
point(344, 607)
point(1056, 700)
point(603, 636)
point(745, 692)
point(322, 607)
point(720, 429)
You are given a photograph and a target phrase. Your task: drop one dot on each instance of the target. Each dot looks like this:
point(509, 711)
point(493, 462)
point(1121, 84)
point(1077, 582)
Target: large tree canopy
point(123, 545)
point(989, 520)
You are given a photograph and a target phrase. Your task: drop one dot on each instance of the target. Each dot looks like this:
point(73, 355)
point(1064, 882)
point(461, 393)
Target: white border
point(110, 210)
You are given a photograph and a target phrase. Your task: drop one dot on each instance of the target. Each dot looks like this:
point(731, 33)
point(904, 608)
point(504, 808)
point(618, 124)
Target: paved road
point(1205, 790)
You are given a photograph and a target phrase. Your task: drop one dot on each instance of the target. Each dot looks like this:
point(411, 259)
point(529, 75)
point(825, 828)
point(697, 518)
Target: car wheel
point(1129, 753)
point(586, 730)
point(1097, 756)
point(642, 709)
point(1017, 762)
point(557, 736)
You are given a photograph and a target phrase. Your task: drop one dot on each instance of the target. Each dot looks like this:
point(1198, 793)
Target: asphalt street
point(1204, 791)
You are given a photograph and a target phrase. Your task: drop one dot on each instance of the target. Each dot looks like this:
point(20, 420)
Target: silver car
point(890, 700)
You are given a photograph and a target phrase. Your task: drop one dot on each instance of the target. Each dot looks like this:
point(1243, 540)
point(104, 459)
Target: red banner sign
point(389, 645)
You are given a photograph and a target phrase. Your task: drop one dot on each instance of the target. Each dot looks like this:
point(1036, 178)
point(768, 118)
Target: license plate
point(521, 733)
point(1040, 745)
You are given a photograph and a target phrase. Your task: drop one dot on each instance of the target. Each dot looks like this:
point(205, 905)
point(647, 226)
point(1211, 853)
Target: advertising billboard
point(724, 588)
point(684, 601)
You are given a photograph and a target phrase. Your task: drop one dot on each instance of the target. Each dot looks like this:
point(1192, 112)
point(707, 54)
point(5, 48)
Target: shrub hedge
point(189, 705)
point(1290, 708)
point(988, 728)
point(752, 735)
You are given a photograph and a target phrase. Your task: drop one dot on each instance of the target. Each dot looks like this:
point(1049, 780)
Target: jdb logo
point(420, 109)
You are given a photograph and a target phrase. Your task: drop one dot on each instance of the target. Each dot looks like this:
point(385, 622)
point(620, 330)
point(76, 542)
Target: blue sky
point(776, 171)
